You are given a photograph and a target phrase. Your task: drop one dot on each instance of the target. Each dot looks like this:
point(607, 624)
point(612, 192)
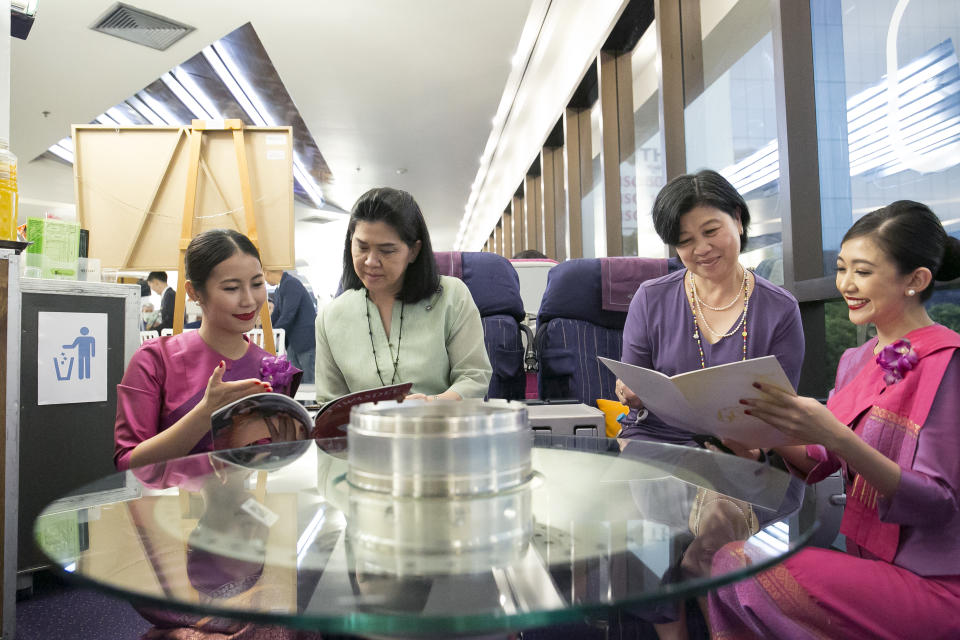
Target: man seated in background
point(295, 312)
point(157, 280)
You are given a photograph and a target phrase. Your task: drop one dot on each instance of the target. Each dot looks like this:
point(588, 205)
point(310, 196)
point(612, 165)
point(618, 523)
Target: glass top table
point(276, 534)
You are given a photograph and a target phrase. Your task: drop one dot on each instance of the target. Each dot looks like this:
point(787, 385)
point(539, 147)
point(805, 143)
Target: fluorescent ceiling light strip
point(780, 531)
point(158, 107)
point(923, 129)
point(185, 97)
point(120, 117)
point(764, 540)
point(149, 114)
point(915, 111)
point(234, 70)
point(66, 143)
point(224, 74)
point(758, 166)
point(229, 72)
point(106, 120)
point(186, 80)
point(908, 89)
point(62, 153)
point(307, 183)
point(759, 182)
point(936, 140)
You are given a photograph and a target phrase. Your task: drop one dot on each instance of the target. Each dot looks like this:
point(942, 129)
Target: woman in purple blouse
point(173, 384)
point(712, 312)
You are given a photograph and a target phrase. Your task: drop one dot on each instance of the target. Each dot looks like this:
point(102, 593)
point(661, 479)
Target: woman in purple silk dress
point(173, 384)
point(891, 426)
point(713, 312)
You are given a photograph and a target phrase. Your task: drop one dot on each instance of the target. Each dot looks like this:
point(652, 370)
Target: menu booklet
point(279, 418)
point(707, 400)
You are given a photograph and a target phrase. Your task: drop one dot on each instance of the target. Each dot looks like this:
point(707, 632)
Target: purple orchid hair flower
point(276, 370)
point(896, 359)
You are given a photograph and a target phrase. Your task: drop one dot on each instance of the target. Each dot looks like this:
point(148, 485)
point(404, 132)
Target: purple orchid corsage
point(896, 359)
point(276, 370)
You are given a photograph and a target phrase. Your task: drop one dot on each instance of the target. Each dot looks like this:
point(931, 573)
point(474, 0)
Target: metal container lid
point(448, 418)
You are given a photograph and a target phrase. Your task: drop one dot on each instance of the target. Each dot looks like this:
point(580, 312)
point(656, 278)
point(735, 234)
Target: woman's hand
point(627, 397)
point(220, 393)
point(802, 419)
point(739, 449)
point(446, 395)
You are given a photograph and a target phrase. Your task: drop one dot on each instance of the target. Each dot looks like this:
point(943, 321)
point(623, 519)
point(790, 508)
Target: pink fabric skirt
point(819, 593)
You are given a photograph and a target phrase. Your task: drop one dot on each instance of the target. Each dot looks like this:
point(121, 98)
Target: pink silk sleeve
point(827, 463)
point(139, 399)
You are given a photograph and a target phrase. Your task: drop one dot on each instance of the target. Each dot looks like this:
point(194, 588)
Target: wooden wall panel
point(607, 73)
point(671, 87)
point(560, 225)
point(532, 212)
point(548, 177)
point(519, 219)
point(508, 233)
point(574, 194)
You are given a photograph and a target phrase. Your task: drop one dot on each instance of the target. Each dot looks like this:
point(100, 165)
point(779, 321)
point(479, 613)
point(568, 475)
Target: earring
point(911, 292)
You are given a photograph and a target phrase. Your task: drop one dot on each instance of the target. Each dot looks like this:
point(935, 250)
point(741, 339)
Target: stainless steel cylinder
point(441, 448)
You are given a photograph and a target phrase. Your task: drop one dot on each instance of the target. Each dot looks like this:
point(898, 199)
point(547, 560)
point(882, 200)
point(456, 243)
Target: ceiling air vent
point(141, 27)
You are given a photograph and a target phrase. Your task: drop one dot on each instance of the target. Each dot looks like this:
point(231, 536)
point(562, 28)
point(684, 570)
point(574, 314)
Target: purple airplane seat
point(495, 288)
point(581, 316)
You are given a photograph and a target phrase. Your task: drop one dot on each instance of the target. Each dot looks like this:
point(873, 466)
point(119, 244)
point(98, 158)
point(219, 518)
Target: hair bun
point(950, 267)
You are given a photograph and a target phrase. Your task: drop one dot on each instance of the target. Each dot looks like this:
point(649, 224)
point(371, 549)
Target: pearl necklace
point(396, 360)
point(695, 308)
point(700, 302)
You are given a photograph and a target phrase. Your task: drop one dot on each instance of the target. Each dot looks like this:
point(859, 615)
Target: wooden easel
point(195, 135)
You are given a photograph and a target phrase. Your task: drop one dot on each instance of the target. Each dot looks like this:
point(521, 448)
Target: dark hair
point(684, 193)
point(911, 235)
point(212, 247)
point(157, 275)
point(530, 254)
point(399, 210)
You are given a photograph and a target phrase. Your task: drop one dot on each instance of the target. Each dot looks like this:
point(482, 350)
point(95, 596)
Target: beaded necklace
point(396, 359)
point(695, 307)
point(701, 303)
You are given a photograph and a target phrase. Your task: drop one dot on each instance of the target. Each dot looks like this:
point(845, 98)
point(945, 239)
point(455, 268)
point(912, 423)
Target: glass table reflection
point(275, 534)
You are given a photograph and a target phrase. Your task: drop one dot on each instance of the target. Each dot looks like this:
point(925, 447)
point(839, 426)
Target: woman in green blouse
point(397, 320)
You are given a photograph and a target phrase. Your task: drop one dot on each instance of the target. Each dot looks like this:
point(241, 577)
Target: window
point(638, 194)
point(732, 125)
point(592, 208)
point(888, 110)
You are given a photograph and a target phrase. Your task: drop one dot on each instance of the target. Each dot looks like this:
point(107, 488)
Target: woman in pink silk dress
point(173, 384)
point(891, 426)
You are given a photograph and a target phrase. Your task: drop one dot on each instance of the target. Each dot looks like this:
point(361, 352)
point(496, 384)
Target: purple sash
point(893, 416)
